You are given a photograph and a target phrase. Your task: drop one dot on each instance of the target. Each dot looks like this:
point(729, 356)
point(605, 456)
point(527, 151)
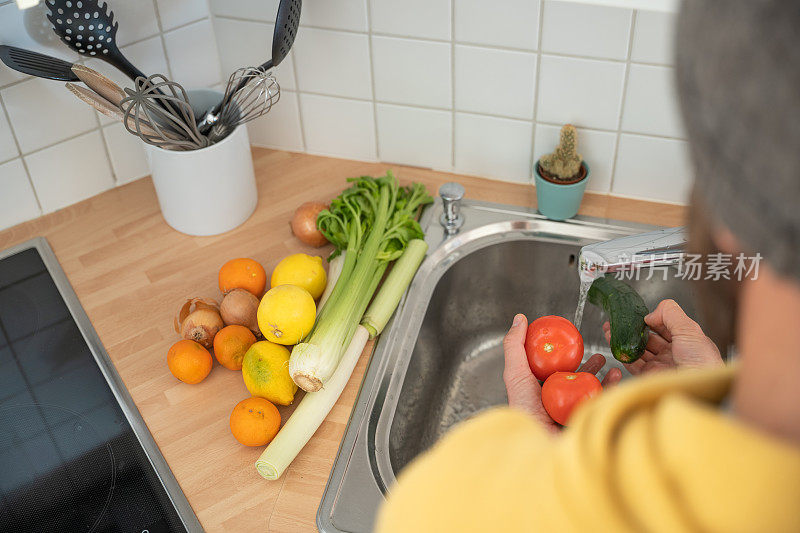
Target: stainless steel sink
point(440, 360)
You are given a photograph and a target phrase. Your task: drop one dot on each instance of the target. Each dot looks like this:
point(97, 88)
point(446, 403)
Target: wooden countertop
point(131, 272)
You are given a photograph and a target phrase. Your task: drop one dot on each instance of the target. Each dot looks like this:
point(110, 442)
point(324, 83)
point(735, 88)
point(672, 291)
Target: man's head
point(738, 77)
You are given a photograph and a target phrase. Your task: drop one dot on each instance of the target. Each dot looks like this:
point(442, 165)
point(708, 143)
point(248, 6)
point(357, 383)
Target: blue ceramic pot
point(557, 201)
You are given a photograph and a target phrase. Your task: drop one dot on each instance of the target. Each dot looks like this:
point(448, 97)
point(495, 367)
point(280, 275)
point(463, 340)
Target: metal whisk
point(158, 111)
point(250, 93)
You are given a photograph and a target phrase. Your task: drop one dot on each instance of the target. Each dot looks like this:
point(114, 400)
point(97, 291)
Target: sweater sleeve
point(651, 455)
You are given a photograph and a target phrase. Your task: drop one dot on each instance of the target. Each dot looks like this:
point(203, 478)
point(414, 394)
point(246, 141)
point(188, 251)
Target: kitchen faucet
point(652, 249)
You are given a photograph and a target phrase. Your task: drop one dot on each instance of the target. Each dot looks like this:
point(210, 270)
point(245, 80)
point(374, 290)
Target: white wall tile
point(586, 30)
point(412, 18)
point(8, 148)
point(280, 128)
point(338, 14)
point(498, 82)
point(512, 23)
point(17, 202)
point(137, 20)
point(332, 62)
point(583, 92)
point(14, 25)
point(128, 158)
point(148, 55)
point(175, 13)
point(651, 103)
point(412, 72)
point(70, 171)
point(192, 54)
point(654, 37)
point(43, 112)
point(413, 136)
point(596, 148)
point(244, 43)
point(497, 148)
point(264, 10)
point(338, 127)
point(653, 168)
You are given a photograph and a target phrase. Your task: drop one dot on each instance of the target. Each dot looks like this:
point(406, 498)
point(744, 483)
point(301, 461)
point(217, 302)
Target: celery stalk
point(310, 413)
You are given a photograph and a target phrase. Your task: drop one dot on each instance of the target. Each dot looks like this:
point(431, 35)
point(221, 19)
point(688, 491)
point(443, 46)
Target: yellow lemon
point(303, 270)
point(286, 314)
point(265, 369)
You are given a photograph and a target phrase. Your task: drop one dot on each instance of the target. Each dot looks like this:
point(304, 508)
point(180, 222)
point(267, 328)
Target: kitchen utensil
point(36, 64)
point(164, 106)
point(250, 93)
point(208, 191)
point(89, 29)
point(110, 110)
point(99, 84)
point(286, 22)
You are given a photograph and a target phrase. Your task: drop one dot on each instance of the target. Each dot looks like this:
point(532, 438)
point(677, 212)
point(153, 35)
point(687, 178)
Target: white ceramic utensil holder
point(208, 191)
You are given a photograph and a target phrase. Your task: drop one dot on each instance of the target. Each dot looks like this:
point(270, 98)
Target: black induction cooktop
point(75, 454)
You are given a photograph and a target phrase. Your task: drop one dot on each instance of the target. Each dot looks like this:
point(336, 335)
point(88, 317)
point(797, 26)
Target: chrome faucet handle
point(451, 194)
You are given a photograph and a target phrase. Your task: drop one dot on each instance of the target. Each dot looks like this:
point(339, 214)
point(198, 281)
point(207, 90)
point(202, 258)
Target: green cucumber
point(626, 311)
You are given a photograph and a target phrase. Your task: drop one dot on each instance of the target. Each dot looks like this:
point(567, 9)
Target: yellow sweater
point(654, 454)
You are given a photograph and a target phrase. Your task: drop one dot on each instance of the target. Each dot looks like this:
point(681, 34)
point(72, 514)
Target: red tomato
point(564, 391)
point(553, 344)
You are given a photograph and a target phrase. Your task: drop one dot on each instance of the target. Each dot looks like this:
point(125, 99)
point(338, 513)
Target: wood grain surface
point(131, 272)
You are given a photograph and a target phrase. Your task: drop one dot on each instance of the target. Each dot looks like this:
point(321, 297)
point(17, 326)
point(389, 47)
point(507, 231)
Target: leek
point(393, 288)
point(334, 271)
point(315, 406)
point(310, 413)
point(372, 221)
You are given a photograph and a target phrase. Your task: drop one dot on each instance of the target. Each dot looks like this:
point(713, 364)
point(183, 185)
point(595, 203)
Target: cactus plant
point(565, 162)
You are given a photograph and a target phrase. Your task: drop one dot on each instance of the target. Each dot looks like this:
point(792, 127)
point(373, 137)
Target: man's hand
point(676, 341)
point(524, 391)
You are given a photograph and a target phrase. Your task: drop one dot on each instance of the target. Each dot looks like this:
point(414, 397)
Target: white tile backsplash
point(126, 151)
point(248, 44)
point(70, 171)
point(451, 84)
point(193, 56)
point(263, 10)
point(137, 19)
point(280, 128)
point(511, 23)
point(17, 202)
point(8, 148)
point(653, 38)
point(586, 30)
point(340, 15)
point(420, 137)
point(338, 127)
point(651, 104)
point(498, 82)
point(584, 92)
point(333, 62)
point(497, 148)
point(412, 18)
point(652, 168)
point(43, 112)
point(596, 148)
point(174, 13)
point(412, 72)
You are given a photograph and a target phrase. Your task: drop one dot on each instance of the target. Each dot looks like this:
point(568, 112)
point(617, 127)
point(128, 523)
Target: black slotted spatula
point(36, 64)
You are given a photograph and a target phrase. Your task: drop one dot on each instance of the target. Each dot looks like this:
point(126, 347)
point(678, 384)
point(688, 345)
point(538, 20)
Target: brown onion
point(304, 224)
point(199, 320)
point(240, 307)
